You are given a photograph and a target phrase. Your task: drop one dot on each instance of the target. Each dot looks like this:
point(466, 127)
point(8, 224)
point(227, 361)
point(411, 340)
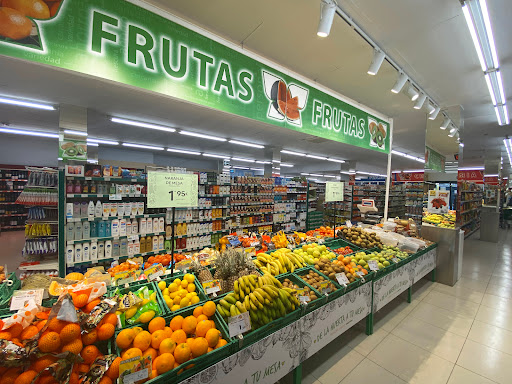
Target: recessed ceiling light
point(183, 151)
point(208, 137)
point(141, 124)
point(216, 156)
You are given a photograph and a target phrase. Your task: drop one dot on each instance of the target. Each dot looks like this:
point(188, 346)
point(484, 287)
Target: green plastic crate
point(312, 305)
point(168, 280)
point(332, 295)
point(7, 289)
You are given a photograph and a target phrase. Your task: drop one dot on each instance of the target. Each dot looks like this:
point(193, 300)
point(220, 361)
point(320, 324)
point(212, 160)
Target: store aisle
point(11, 245)
point(454, 335)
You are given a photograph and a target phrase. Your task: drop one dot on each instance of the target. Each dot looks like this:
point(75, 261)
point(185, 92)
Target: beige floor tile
point(392, 314)
point(443, 318)
point(363, 343)
point(462, 291)
point(496, 302)
point(332, 363)
point(463, 376)
point(435, 340)
point(367, 372)
point(485, 277)
point(422, 288)
point(497, 317)
point(498, 290)
point(487, 362)
point(409, 362)
point(503, 281)
point(491, 336)
point(452, 303)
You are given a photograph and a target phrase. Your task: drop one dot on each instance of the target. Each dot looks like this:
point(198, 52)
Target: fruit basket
point(194, 365)
point(333, 294)
point(168, 281)
point(312, 305)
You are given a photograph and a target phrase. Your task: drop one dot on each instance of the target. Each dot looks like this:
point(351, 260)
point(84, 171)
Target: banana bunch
point(280, 261)
point(280, 240)
point(264, 297)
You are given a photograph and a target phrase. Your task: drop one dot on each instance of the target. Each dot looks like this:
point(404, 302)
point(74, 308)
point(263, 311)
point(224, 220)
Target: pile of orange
point(350, 266)
point(169, 346)
point(124, 267)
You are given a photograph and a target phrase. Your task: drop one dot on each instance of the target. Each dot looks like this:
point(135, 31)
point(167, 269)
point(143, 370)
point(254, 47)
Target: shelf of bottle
point(204, 208)
point(470, 201)
point(111, 259)
point(15, 214)
point(11, 190)
point(198, 234)
point(12, 227)
point(116, 196)
point(251, 214)
point(152, 215)
point(254, 225)
point(201, 220)
point(96, 239)
point(255, 203)
point(108, 178)
point(3, 179)
point(213, 195)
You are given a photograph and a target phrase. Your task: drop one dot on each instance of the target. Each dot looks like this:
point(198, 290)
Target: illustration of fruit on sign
point(378, 133)
point(438, 203)
point(286, 102)
point(18, 20)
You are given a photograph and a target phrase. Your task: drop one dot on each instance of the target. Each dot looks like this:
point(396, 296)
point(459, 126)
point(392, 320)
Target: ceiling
point(428, 39)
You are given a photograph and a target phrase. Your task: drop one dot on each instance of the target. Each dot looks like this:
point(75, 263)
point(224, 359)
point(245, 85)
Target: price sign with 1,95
point(174, 190)
point(333, 191)
point(239, 324)
point(342, 279)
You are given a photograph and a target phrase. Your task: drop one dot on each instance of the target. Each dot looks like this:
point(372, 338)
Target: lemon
point(182, 292)
point(193, 294)
point(166, 292)
point(188, 296)
point(169, 302)
point(152, 297)
point(145, 301)
point(184, 283)
point(191, 287)
point(173, 295)
point(131, 312)
point(146, 317)
point(177, 282)
point(189, 277)
point(162, 285)
point(173, 287)
point(175, 307)
point(194, 299)
point(177, 300)
point(184, 302)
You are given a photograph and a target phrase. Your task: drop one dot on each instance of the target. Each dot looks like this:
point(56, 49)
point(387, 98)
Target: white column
point(388, 173)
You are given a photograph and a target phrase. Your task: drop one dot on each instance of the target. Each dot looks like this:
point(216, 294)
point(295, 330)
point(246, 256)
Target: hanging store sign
point(434, 161)
point(168, 190)
point(333, 191)
point(409, 176)
point(120, 41)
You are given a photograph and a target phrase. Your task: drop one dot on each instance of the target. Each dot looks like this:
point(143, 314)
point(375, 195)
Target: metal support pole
point(388, 173)
point(434, 275)
point(409, 294)
point(297, 374)
point(172, 240)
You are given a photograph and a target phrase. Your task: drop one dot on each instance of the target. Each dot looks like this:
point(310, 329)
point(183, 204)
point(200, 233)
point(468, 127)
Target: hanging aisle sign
point(172, 190)
point(120, 41)
point(333, 191)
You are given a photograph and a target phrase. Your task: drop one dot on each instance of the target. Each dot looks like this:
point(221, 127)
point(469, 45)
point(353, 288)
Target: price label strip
point(134, 370)
point(239, 324)
point(325, 287)
point(342, 279)
point(396, 260)
point(211, 286)
point(303, 298)
point(374, 266)
point(20, 298)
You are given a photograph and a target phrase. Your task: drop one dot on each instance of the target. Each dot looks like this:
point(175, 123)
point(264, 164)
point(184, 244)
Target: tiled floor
point(454, 335)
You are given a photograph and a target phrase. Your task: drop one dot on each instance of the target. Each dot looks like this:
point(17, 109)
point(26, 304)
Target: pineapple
point(203, 273)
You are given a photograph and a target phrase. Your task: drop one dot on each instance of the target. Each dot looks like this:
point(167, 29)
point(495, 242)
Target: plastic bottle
point(106, 210)
point(149, 226)
point(70, 254)
point(122, 227)
point(143, 226)
point(78, 253)
point(101, 250)
point(155, 243)
point(160, 242)
point(86, 230)
point(108, 249)
point(161, 221)
point(86, 249)
point(94, 251)
point(70, 232)
point(115, 228)
point(94, 229)
point(135, 227)
point(78, 231)
point(101, 229)
point(115, 248)
point(98, 209)
point(156, 225)
point(123, 247)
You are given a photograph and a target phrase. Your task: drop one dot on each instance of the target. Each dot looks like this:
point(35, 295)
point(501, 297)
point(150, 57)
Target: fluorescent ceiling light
point(413, 94)
point(216, 156)
point(286, 165)
point(378, 58)
point(474, 37)
point(257, 169)
point(143, 146)
point(292, 153)
point(498, 115)
point(419, 159)
point(489, 86)
point(141, 124)
point(92, 144)
point(29, 104)
point(29, 133)
point(433, 114)
point(488, 30)
point(336, 160)
point(446, 123)
point(305, 174)
point(316, 157)
point(500, 86)
point(492, 175)
point(275, 161)
point(316, 175)
point(420, 101)
point(236, 167)
point(346, 173)
point(75, 133)
point(246, 144)
point(400, 82)
point(194, 134)
point(472, 169)
point(330, 176)
point(184, 151)
point(461, 144)
point(327, 11)
point(508, 147)
point(263, 162)
point(505, 112)
point(102, 141)
point(244, 160)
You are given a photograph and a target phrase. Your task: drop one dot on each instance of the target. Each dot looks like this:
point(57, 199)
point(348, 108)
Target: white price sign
point(333, 191)
point(134, 377)
point(396, 260)
point(342, 279)
point(20, 298)
point(373, 265)
point(239, 324)
point(172, 190)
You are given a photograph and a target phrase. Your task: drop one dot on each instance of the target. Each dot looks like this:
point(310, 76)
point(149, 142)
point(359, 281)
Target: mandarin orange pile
point(169, 346)
point(123, 267)
point(350, 265)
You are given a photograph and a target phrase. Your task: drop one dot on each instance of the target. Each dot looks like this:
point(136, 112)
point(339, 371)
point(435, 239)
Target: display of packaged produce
point(361, 238)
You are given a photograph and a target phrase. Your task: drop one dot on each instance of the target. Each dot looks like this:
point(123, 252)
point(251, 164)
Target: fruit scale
point(366, 208)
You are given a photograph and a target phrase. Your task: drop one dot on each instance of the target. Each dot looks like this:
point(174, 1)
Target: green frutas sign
point(123, 42)
point(434, 161)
